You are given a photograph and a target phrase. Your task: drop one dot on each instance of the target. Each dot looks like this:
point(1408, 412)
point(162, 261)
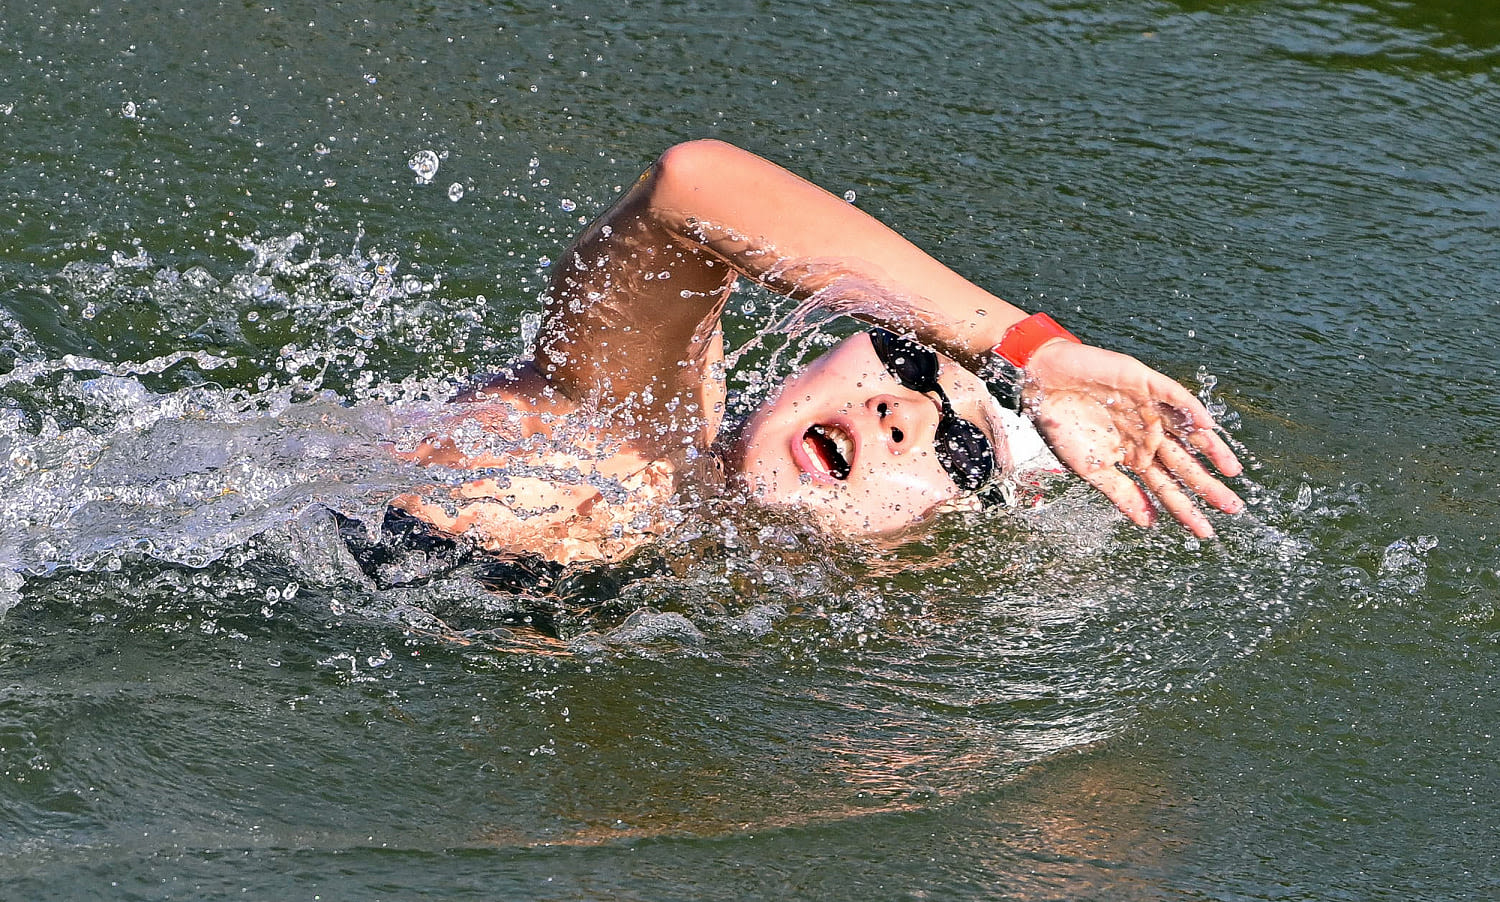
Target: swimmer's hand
point(1109, 417)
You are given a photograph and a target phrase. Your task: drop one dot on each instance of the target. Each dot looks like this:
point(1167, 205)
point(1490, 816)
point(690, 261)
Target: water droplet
point(425, 164)
point(127, 109)
point(320, 148)
point(849, 195)
point(455, 192)
point(140, 260)
point(7, 108)
point(567, 205)
point(531, 325)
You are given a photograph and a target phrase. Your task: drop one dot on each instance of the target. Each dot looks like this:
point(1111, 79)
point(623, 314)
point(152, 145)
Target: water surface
point(228, 259)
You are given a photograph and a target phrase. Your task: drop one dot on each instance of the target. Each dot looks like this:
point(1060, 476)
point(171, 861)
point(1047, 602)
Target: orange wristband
point(1023, 339)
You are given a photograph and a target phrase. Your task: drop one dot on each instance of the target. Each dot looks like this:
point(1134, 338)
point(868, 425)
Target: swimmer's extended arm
point(668, 250)
point(1107, 415)
point(635, 305)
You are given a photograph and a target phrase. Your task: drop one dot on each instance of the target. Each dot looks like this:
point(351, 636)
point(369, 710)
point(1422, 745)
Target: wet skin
point(847, 442)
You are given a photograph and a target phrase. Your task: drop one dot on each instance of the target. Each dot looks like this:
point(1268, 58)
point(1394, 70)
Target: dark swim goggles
point(964, 452)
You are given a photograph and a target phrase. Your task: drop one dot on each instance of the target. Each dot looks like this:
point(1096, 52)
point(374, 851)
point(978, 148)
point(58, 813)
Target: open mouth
point(830, 448)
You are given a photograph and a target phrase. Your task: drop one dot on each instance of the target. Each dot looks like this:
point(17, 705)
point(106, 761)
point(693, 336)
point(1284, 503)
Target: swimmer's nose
point(903, 420)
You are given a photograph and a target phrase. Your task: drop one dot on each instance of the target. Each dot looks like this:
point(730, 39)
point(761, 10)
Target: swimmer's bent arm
point(642, 289)
point(634, 310)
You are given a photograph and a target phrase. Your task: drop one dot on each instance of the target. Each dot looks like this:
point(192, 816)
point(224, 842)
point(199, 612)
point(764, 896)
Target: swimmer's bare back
point(557, 482)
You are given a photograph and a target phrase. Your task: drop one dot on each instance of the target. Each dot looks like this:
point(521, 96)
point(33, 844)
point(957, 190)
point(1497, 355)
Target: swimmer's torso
point(552, 477)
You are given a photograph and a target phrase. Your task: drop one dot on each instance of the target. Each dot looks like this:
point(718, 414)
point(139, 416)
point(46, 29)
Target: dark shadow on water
point(1466, 32)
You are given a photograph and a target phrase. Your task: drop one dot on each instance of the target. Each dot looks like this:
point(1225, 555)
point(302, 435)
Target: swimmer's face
point(847, 441)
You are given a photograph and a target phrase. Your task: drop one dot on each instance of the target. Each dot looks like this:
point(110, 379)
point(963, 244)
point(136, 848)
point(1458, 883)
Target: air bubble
point(425, 164)
point(127, 109)
point(320, 149)
point(567, 205)
point(849, 195)
point(140, 260)
point(455, 192)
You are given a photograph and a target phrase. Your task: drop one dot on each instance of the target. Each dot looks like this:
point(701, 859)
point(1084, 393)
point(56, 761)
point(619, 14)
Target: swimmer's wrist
point(1023, 339)
point(1006, 370)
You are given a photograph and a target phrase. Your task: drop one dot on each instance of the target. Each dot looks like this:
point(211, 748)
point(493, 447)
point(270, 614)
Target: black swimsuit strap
point(410, 551)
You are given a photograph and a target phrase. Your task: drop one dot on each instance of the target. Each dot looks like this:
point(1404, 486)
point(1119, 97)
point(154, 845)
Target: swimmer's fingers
point(1124, 493)
point(1209, 443)
point(1189, 471)
point(1195, 426)
point(1172, 480)
point(1170, 495)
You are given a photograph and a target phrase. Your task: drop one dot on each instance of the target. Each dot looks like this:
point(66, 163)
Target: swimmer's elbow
point(688, 170)
point(695, 157)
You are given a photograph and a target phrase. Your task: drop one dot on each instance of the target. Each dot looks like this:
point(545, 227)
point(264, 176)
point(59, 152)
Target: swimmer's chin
point(833, 518)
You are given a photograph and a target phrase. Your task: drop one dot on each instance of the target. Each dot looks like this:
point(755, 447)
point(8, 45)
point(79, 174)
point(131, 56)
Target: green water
point(1293, 204)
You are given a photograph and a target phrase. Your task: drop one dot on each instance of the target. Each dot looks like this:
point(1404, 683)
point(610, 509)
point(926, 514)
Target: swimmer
point(620, 406)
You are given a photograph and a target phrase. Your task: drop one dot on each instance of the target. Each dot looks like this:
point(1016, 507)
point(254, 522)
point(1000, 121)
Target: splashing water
point(120, 467)
point(112, 461)
point(111, 468)
point(425, 164)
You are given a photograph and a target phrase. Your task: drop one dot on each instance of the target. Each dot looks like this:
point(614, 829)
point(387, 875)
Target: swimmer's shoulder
point(521, 386)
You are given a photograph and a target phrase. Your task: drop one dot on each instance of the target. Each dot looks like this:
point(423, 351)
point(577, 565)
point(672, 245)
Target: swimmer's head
point(853, 440)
